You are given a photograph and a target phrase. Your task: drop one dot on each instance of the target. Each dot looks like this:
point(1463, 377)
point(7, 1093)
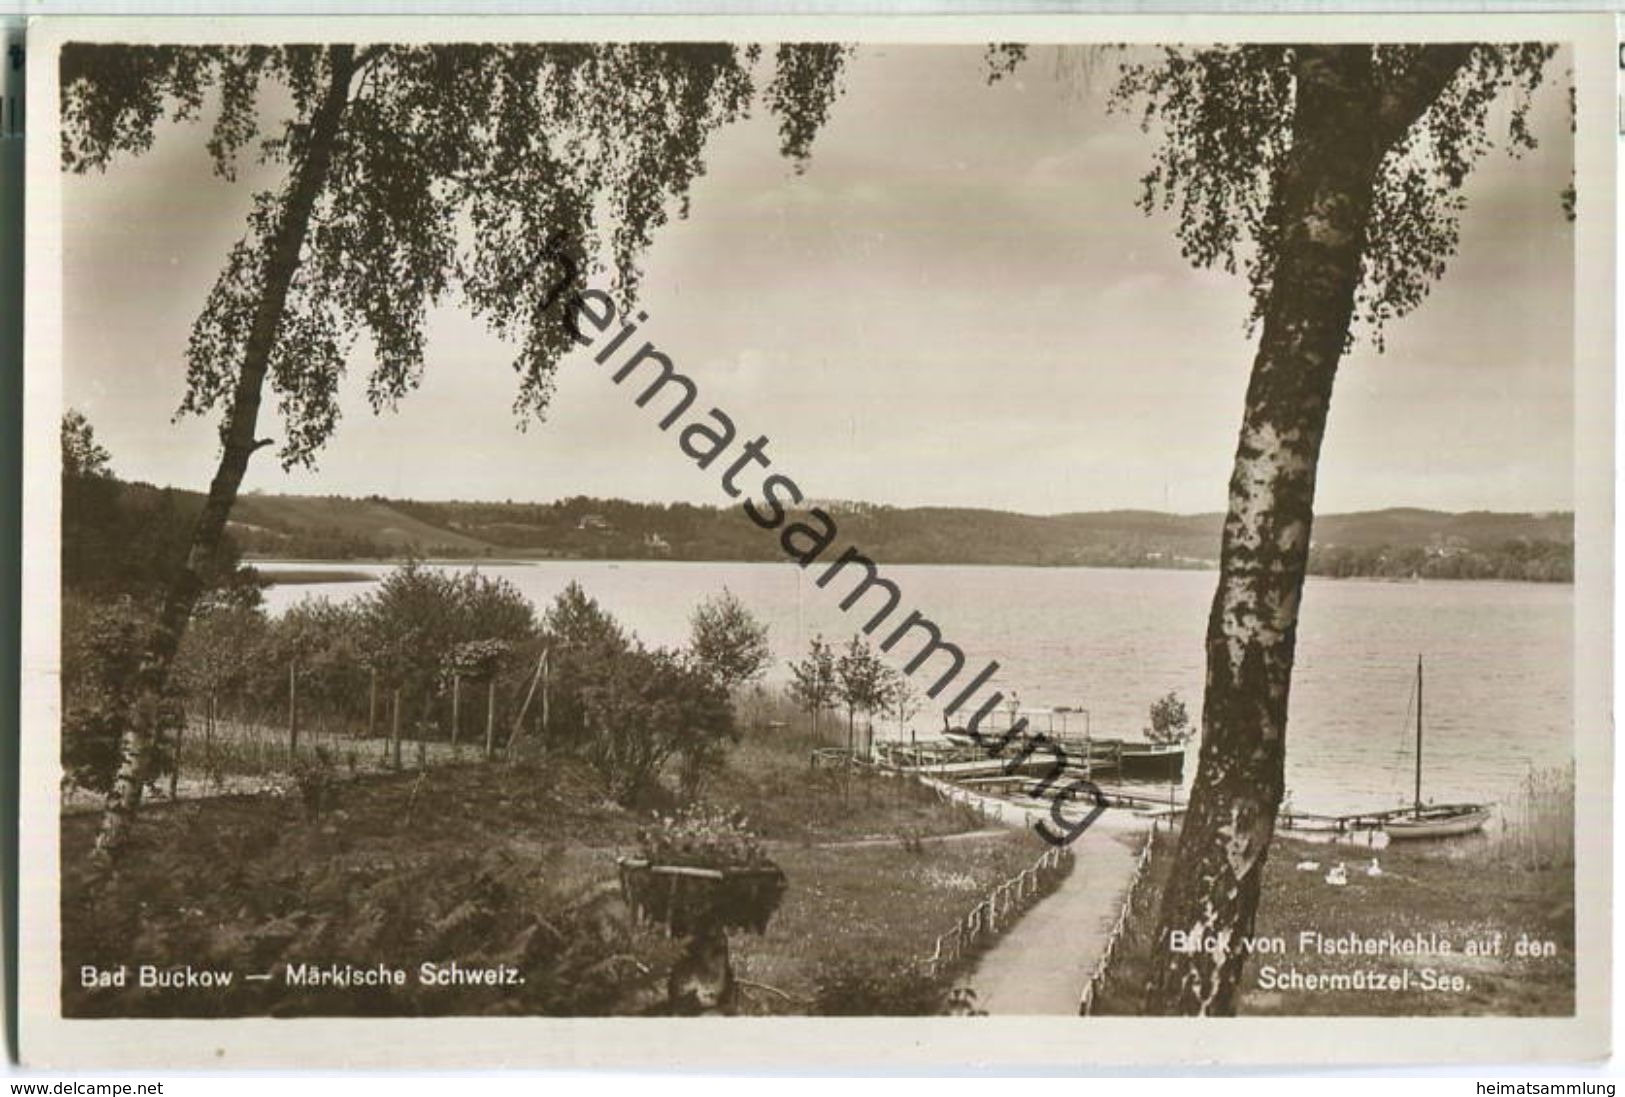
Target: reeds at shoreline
point(1535, 827)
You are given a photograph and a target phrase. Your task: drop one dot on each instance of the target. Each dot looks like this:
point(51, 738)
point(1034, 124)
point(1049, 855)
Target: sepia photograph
point(1092, 525)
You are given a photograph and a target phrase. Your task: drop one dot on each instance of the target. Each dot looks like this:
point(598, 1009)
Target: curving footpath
point(1042, 964)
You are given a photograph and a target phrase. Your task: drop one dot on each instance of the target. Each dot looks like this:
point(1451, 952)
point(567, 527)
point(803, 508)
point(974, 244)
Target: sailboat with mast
point(1432, 820)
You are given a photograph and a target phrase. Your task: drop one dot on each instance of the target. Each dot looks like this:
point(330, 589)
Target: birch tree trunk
point(1343, 123)
point(238, 444)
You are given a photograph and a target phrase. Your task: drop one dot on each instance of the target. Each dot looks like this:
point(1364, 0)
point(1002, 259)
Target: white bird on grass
point(1373, 869)
point(1308, 866)
point(1338, 876)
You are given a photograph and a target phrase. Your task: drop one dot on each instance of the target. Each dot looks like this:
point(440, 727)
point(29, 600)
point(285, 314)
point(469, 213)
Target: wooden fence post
point(519, 721)
point(395, 729)
point(175, 764)
point(456, 709)
point(490, 716)
point(293, 712)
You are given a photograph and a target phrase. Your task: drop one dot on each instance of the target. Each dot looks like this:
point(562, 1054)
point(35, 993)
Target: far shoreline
point(331, 571)
point(274, 577)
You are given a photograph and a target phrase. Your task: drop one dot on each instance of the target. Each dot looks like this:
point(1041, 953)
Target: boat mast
point(1418, 735)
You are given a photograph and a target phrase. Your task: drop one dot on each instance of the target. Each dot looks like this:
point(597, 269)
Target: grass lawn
point(876, 902)
point(1446, 889)
point(769, 778)
point(1457, 891)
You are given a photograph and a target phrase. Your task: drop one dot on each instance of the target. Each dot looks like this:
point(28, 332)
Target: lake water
point(1499, 656)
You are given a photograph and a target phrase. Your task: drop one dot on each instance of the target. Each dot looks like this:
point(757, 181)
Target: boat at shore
point(1011, 769)
point(1416, 820)
point(1438, 821)
point(1023, 740)
point(1424, 820)
point(1165, 761)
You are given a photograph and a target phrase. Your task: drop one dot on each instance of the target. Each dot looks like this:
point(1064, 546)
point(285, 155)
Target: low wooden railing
point(991, 809)
point(995, 913)
point(1086, 1004)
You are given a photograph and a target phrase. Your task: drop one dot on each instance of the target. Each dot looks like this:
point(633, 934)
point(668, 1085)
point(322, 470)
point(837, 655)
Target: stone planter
point(702, 903)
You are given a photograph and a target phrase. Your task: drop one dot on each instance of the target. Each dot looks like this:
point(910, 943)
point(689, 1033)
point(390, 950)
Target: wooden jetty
point(1033, 787)
point(948, 758)
point(1022, 769)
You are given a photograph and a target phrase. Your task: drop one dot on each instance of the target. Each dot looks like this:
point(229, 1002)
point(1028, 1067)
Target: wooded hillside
point(1393, 543)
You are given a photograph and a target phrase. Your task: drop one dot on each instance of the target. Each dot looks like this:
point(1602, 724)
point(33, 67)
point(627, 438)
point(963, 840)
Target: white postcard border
point(823, 1044)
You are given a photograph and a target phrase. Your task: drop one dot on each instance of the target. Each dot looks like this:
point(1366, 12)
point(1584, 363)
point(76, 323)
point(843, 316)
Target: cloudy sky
point(957, 303)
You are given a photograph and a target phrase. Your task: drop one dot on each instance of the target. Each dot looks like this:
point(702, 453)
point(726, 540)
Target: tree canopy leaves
point(458, 169)
point(1226, 116)
point(82, 455)
point(728, 640)
point(812, 680)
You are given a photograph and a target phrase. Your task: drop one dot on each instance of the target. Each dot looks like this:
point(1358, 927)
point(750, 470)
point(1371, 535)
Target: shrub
point(576, 948)
point(420, 621)
point(1170, 721)
point(641, 709)
point(876, 987)
point(314, 775)
point(728, 641)
point(102, 645)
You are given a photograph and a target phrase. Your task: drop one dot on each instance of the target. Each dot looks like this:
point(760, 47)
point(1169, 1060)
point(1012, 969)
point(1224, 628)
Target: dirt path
point(1042, 965)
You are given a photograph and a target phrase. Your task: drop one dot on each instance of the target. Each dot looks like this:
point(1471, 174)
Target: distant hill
point(371, 524)
point(1398, 542)
point(1407, 525)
